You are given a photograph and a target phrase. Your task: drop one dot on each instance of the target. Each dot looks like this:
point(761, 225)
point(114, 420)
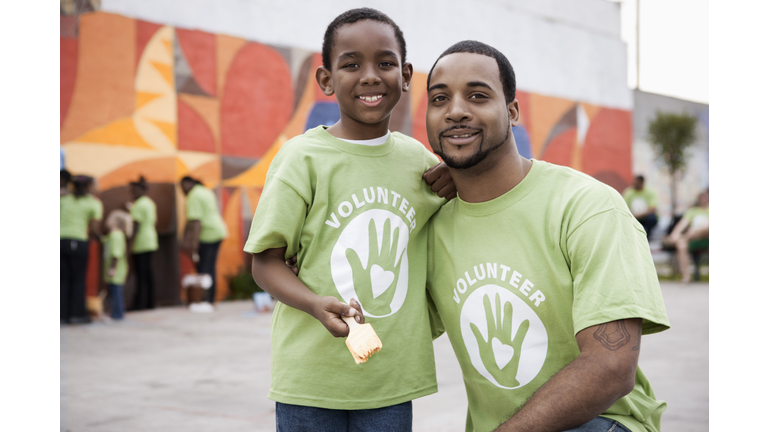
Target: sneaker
point(205, 307)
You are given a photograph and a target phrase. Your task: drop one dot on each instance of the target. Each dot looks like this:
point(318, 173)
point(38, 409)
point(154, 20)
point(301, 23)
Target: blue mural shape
point(323, 113)
point(522, 140)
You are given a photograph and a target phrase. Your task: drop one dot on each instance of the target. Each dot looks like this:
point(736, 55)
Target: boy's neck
point(360, 132)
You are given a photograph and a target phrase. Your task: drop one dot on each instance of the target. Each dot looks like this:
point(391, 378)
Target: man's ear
point(323, 77)
point(407, 75)
point(514, 112)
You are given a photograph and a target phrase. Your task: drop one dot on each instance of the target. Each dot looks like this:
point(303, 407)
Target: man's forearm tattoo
point(612, 335)
point(639, 333)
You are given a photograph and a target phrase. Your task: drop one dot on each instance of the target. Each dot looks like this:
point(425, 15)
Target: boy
point(349, 201)
point(120, 226)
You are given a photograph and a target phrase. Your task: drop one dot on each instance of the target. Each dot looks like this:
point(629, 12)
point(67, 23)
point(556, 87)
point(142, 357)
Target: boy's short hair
point(506, 72)
point(121, 220)
point(352, 16)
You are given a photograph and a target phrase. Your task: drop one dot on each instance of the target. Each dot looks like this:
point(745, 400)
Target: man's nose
point(458, 111)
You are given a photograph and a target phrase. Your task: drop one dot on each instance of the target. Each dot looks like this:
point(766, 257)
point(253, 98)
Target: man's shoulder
point(575, 188)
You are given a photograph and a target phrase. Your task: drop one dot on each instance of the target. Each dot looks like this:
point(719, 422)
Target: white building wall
point(564, 48)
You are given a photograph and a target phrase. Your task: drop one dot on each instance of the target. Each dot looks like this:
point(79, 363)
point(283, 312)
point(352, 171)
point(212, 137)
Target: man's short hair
point(506, 72)
point(352, 16)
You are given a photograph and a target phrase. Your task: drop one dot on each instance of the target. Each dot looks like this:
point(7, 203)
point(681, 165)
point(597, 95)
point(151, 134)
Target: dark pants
point(648, 222)
point(72, 266)
point(296, 418)
point(116, 306)
point(145, 282)
point(207, 264)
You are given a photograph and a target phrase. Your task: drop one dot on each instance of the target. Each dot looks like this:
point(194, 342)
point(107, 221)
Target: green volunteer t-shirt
point(201, 206)
point(145, 213)
point(640, 201)
point(515, 278)
point(356, 216)
point(115, 247)
point(75, 213)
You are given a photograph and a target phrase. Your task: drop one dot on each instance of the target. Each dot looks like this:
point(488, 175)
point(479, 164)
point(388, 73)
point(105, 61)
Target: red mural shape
point(608, 144)
point(560, 150)
point(419, 123)
point(200, 51)
point(194, 134)
point(257, 101)
point(144, 32)
point(68, 69)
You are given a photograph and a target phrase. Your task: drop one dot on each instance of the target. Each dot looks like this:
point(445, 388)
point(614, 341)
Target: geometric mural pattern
point(142, 98)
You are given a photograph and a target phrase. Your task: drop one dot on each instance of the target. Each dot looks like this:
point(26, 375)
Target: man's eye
point(477, 96)
point(439, 98)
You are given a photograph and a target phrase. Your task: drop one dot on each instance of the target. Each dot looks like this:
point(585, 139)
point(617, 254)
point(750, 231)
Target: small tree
point(670, 136)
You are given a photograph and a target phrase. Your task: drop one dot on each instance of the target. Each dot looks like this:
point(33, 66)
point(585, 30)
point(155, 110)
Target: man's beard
point(476, 158)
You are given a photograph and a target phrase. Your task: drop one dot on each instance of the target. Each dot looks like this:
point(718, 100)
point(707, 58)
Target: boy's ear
point(323, 77)
point(407, 75)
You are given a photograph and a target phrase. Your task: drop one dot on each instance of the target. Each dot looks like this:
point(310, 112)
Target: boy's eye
point(349, 65)
point(386, 63)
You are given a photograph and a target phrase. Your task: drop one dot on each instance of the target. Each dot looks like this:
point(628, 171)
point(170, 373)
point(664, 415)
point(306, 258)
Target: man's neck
point(493, 177)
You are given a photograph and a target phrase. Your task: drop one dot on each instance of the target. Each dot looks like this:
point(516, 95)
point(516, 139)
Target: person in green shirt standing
point(80, 219)
point(144, 214)
point(642, 202)
point(204, 231)
point(120, 227)
point(539, 274)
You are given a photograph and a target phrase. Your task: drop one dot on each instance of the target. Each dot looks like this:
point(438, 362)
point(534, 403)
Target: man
point(642, 202)
point(540, 275)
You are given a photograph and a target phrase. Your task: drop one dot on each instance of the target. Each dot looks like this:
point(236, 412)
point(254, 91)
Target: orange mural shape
point(104, 85)
point(160, 170)
point(194, 133)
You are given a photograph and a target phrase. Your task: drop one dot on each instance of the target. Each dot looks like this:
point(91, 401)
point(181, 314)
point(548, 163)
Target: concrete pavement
point(172, 370)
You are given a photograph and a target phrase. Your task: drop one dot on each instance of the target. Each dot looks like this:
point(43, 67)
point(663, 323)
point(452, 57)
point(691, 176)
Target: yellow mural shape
point(120, 132)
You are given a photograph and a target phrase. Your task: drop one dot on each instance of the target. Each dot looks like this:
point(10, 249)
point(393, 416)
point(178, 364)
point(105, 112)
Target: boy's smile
point(367, 77)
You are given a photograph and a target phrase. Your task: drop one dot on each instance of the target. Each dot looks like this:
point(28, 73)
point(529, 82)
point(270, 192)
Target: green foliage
point(242, 286)
point(670, 136)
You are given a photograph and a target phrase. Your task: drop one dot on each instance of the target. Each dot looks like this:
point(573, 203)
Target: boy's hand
point(440, 181)
point(111, 272)
point(328, 311)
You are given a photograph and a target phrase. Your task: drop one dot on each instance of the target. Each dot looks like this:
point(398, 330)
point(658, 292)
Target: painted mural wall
point(146, 98)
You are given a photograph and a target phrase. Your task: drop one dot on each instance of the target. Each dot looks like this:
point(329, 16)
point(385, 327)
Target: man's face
point(367, 75)
point(638, 184)
point(467, 116)
point(186, 186)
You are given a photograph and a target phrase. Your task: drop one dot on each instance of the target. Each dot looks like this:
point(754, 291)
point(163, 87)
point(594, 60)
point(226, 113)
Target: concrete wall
point(644, 161)
point(210, 89)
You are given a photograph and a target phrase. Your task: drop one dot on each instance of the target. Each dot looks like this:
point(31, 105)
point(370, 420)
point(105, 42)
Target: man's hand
point(439, 179)
point(375, 285)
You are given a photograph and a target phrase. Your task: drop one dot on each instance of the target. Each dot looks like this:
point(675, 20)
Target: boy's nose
point(370, 76)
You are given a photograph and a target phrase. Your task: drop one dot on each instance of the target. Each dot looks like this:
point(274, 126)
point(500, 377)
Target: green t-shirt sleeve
point(98, 209)
point(116, 245)
point(613, 274)
point(138, 212)
point(653, 199)
point(195, 206)
point(278, 220)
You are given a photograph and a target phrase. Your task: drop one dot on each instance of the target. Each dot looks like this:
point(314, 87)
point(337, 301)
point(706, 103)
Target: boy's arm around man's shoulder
point(439, 179)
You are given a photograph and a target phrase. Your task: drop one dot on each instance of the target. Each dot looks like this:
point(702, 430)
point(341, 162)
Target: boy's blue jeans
point(600, 424)
point(296, 418)
point(116, 303)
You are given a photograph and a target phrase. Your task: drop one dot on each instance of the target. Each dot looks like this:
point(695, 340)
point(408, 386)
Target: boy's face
point(367, 76)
